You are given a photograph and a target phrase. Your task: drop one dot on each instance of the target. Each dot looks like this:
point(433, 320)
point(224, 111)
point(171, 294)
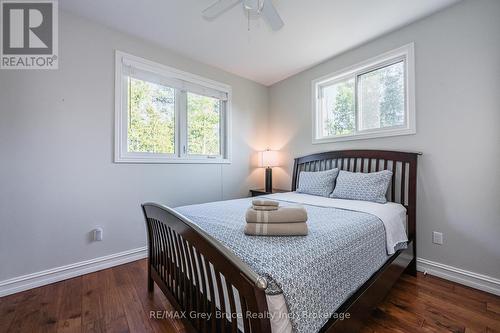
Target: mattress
point(309, 277)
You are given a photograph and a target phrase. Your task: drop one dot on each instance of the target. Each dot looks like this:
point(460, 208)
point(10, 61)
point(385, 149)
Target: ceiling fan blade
point(218, 8)
point(271, 15)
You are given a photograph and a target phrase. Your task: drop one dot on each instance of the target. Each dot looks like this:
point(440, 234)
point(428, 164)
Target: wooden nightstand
point(262, 191)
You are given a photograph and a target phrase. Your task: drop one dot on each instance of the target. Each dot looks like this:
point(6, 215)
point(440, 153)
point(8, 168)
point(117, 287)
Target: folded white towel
point(263, 202)
point(265, 208)
point(289, 214)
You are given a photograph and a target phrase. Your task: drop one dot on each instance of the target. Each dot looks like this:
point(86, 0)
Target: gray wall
point(58, 181)
point(57, 176)
point(458, 129)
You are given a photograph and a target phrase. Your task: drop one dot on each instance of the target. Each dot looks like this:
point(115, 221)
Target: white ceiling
point(314, 30)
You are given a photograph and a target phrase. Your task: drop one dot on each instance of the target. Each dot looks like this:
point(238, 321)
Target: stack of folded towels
point(267, 218)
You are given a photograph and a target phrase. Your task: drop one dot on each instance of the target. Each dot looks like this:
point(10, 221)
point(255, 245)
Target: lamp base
point(269, 180)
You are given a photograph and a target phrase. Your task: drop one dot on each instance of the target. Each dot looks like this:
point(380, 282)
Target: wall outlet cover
point(437, 238)
point(98, 234)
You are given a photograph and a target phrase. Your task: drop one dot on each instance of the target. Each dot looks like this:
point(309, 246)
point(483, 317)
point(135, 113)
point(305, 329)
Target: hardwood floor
point(116, 300)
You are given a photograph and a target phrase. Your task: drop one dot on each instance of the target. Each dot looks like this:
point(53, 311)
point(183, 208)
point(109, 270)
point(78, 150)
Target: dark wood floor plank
point(114, 316)
point(436, 320)
point(8, 306)
point(137, 319)
point(446, 295)
point(457, 308)
point(92, 304)
point(155, 302)
point(475, 294)
point(115, 320)
point(70, 307)
point(436, 315)
point(431, 328)
point(406, 317)
point(437, 312)
point(26, 312)
point(387, 320)
point(377, 326)
point(494, 308)
point(117, 300)
point(50, 299)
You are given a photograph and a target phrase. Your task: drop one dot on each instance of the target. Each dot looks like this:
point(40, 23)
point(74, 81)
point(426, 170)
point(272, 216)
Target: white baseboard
point(29, 281)
point(42, 278)
point(458, 275)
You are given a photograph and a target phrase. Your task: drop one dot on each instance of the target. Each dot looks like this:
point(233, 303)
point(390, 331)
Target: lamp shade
point(269, 159)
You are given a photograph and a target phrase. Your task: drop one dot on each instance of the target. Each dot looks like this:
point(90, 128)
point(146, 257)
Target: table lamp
point(269, 159)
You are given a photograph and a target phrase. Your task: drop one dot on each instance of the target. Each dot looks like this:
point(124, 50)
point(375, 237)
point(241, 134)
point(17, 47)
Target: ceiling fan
point(253, 7)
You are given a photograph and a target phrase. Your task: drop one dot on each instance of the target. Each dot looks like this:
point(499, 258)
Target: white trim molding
point(404, 54)
point(57, 274)
point(479, 281)
point(182, 83)
point(461, 276)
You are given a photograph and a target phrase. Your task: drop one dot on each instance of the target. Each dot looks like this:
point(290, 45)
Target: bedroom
point(229, 97)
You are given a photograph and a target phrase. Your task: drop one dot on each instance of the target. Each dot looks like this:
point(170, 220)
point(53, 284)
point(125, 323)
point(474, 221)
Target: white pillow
point(362, 186)
point(317, 182)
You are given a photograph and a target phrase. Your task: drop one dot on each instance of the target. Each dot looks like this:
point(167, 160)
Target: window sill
point(159, 160)
point(364, 136)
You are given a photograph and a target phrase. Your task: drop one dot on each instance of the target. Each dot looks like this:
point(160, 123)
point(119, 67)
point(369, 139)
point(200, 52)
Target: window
point(164, 115)
point(203, 122)
point(151, 117)
point(372, 99)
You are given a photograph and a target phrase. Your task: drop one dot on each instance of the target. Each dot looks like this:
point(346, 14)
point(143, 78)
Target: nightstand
point(262, 191)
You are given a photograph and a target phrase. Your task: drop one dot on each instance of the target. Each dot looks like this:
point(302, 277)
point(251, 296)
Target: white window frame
point(405, 53)
point(122, 155)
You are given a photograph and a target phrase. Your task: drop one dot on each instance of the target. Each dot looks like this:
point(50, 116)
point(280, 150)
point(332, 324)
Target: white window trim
point(408, 53)
point(121, 154)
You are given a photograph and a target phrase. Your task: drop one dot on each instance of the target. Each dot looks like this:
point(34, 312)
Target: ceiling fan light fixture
point(253, 6)
point(263, 8)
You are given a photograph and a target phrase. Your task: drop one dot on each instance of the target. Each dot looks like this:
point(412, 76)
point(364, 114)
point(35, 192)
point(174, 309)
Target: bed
point(326, 281)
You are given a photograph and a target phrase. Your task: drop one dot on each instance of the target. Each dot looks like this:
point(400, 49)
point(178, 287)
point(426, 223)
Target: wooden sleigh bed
point(187, 264)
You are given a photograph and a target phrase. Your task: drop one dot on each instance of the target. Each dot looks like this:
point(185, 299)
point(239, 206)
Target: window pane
point(381, 100)
point(203, 118)
point(151, 127)
point(338, 108)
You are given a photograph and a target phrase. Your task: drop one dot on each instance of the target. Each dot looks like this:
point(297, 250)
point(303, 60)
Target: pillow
point(317, 182)
point(362, 186)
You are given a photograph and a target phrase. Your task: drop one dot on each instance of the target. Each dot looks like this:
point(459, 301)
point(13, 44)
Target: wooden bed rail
point(199, 276)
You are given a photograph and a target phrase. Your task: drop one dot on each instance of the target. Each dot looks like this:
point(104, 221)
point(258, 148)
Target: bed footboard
point(199, 276)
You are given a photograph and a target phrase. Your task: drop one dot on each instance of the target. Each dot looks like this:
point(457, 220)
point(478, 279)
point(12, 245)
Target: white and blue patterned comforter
point(316, 273)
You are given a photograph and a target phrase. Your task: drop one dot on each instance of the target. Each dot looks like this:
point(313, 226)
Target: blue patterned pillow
point(317, 182)
point(362, 186)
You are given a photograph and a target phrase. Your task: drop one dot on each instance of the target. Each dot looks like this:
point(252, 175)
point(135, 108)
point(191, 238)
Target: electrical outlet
point(98, 234)
point(437, 237)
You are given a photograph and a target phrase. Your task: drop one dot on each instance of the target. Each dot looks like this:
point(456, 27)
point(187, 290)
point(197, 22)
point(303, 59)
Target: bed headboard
point(403, 187)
